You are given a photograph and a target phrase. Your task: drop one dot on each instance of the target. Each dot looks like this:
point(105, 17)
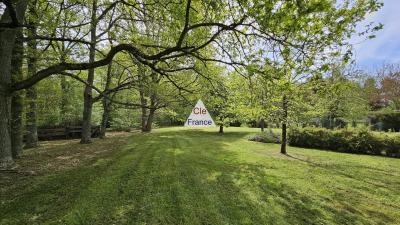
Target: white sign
point(199, 117)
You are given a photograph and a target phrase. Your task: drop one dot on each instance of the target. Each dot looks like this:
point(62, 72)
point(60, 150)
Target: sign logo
point(199, 117)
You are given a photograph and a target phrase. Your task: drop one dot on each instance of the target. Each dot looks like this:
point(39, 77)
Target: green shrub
point(385, 121)
point(266, 137)
point(351, 141)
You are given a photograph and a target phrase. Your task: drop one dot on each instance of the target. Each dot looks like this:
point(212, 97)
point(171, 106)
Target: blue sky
point(385, 48)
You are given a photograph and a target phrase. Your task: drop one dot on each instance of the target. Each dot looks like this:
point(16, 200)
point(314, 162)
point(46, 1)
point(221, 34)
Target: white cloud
point(386, 46)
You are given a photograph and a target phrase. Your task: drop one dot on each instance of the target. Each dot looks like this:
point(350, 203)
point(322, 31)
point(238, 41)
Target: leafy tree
point(309, 35)
point(289, 36)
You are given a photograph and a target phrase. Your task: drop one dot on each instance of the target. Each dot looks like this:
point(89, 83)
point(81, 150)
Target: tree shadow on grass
point(369, 184)
point(177, 177)
point(351, 171)
point(224, 190)
point(244, 193)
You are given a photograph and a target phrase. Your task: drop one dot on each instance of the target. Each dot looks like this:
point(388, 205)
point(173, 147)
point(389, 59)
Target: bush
point(385, 121)
point(351, 141)
point(266, 137)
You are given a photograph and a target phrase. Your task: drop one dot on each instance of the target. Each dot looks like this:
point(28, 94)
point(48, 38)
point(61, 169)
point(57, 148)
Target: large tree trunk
point(106, 104)
point(17, 100)
point(5, 140)
point(221, 129)
point(87, 95)
point(284, 123)
point(7, 40)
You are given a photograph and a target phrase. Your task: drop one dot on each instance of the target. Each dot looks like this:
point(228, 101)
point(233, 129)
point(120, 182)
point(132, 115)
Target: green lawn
point(181, 176)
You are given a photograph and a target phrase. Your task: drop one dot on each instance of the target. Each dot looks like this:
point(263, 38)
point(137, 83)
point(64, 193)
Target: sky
point(385, 48)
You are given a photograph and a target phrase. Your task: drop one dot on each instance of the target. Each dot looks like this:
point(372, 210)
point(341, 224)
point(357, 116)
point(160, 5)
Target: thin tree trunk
point(31, 118)
point(150, 117)
point(7, 40)
point(149, 122)
point(64, 100)
point(262, 124)
point(143, 103)
point(142, 95)
point(153, 102)
point(105, 117)
point(106, 104)
point(17, 100)
point(64, 84)
point(31, 93)
point(221, 129)
point(87, 96)
point(284, 123)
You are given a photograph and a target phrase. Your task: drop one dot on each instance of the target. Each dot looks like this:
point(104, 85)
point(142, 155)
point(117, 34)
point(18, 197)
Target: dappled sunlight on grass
point(186, 176)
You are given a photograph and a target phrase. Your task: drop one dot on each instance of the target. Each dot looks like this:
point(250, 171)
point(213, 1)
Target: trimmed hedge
point(350, 141)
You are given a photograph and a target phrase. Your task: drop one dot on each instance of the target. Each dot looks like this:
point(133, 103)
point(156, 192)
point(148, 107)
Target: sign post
point(199, 117)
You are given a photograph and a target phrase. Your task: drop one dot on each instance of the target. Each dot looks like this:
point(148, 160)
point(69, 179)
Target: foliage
point(386, 121)
point(266, 137)
point(343, 140)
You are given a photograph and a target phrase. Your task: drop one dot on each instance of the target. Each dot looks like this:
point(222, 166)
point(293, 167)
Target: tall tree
point(11, 19)
point(31, 93)
point(87, 95)
point(191, 30)
point(16, 101)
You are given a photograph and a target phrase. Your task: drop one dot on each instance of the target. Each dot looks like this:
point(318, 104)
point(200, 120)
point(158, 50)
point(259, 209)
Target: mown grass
point(181, 176)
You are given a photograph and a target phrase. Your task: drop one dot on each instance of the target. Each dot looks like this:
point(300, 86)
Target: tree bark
point(7, 38)
point(221, 129)
point(17, 100)
point(152, 110)
point(143, 103)
point(106, 103)
point(142, 95)
point(87, 95)
point(5, 117)
point(31, 118)
point(105, 117)
point(7, 41)
point(149, 122)
point(284, 123)
point(262, 124)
